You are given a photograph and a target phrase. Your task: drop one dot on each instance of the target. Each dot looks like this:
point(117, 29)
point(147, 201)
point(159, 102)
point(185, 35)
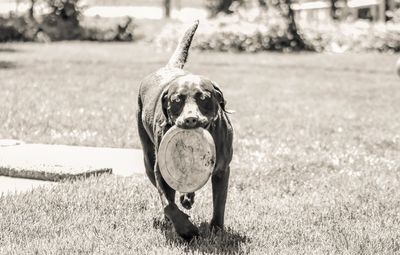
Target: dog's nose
point(191, 122)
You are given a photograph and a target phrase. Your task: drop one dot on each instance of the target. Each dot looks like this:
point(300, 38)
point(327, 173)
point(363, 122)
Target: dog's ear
point(164, 105)
point(220, 96)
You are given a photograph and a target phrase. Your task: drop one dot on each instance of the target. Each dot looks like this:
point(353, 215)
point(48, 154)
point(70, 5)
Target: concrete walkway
point(10, 185)
point(56, 162)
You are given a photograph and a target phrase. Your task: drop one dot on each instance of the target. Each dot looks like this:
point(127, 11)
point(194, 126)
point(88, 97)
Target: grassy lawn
point(316, 166)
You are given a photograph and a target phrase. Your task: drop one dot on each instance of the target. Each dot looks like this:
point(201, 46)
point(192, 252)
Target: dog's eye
point(203, 96)
point(175, 99)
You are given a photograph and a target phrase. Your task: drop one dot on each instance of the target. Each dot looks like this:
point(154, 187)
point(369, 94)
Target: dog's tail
point(178, 59)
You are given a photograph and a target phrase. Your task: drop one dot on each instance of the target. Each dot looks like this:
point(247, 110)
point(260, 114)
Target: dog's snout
point(191, 122)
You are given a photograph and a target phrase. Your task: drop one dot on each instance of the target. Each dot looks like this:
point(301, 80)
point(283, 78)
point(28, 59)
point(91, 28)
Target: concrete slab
point(9, 185)
point(56, 162)
point(10, 142)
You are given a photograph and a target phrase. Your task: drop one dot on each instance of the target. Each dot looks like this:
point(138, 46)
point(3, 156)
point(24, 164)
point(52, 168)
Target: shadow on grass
point(7, 65)
point(227, 241)
point(10, 50)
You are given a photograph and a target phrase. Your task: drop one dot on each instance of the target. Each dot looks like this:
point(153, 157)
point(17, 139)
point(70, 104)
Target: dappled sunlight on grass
point(316, 165)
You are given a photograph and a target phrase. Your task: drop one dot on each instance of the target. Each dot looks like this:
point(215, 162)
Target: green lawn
point(317, 152)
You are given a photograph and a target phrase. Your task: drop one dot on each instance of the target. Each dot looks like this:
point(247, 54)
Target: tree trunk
point(334, 15)
point(288, 13)
point(32, 10)
point(387, 8)
point(167, 8)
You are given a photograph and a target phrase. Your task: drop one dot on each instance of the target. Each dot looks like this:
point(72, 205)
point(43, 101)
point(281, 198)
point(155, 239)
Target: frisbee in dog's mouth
point(186, 158)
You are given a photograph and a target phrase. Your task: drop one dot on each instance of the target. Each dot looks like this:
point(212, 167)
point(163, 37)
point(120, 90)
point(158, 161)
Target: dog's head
point(192, 101)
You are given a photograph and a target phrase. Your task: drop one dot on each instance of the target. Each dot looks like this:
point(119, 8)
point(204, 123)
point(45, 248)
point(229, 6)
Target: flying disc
point(186, 158)
point(398, 67)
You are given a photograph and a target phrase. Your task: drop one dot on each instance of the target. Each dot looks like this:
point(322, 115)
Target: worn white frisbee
point(398, 67)
point(186, 158)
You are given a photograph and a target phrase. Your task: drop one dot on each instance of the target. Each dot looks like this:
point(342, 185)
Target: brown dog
point(172, 96)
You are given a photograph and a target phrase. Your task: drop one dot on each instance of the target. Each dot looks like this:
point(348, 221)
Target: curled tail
point(178, 59)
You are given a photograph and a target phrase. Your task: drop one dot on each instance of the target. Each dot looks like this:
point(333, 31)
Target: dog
point(170, 97)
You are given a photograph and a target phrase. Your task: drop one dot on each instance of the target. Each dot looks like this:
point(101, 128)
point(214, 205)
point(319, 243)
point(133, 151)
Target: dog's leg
point(147, 145)
point(179, 219)
point(187, 200)
point(148, 154)
point(167, 194)
point(220, 188)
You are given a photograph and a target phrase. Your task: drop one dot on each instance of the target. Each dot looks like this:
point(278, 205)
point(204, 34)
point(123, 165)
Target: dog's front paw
point(215, 226)
point(181, 222)
point(187, 200)
point(187, 230)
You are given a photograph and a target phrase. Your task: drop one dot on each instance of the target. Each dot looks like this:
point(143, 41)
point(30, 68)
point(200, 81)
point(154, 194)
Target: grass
point(317, 152)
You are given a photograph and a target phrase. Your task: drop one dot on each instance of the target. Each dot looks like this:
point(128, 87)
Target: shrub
point(252, 30)
point(62, 22)
point(98, 31)
point(10, 31)
point(17, 28)
point(249, 30)
point(354, 36)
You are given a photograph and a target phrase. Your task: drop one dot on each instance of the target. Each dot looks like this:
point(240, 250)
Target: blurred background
point(70, 69)
point(228, 25)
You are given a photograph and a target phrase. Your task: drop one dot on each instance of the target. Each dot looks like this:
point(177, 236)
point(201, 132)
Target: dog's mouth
point(192, 124)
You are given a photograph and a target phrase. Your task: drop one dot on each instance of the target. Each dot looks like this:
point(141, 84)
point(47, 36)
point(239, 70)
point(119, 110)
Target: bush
point(252, 30)
point(62, 22)
point(97, 30)
point(248, 30)
point(18, 28)
point(354, 36)
point(12, 29)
